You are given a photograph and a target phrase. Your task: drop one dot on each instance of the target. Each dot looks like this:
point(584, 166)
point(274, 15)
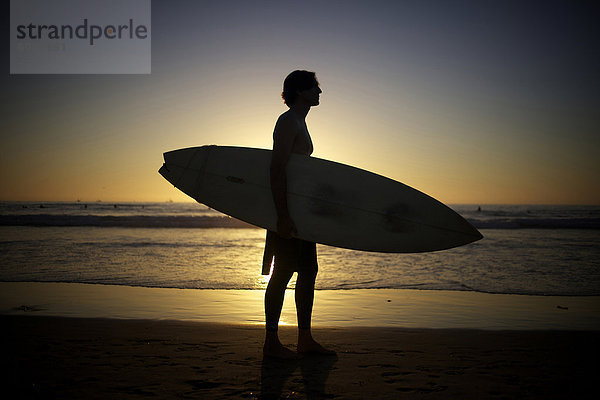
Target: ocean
point(527, 249)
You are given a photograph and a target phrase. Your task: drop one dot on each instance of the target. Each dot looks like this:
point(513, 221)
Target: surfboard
point(331, 203)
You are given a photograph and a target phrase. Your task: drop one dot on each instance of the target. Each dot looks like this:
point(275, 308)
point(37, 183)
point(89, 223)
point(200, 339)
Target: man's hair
point(295, 82)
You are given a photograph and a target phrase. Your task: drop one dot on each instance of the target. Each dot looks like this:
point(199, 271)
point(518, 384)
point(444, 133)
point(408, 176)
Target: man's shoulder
point(287, 121)
point(287, 117)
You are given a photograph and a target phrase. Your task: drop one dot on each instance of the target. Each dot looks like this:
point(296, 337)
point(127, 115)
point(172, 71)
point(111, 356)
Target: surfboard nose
point(474, 232)
point(466, 229)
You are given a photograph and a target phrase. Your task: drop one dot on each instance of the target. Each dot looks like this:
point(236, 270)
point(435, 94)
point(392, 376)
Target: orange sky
point(468, 104)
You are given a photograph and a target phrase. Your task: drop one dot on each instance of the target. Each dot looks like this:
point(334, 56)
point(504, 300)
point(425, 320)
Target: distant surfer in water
point(300, 92)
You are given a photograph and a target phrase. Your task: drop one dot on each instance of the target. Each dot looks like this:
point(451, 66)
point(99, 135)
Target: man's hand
point(286, 227)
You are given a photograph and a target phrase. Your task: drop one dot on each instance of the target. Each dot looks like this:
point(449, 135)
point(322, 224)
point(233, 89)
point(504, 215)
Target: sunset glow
point(469, 104)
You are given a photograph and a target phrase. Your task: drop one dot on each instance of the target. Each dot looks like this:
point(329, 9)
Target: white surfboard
point(330, 203)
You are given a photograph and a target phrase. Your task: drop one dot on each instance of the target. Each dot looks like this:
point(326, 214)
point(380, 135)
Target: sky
point(468, 101)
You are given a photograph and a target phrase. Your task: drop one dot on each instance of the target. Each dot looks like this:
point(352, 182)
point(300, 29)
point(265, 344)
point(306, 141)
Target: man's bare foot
point(274, 348)
point(307, 345)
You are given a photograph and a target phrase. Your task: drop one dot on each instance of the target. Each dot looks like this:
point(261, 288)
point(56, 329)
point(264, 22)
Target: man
point(300, 92)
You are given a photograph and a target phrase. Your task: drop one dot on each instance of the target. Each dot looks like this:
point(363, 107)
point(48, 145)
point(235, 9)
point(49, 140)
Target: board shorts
point(295, 255)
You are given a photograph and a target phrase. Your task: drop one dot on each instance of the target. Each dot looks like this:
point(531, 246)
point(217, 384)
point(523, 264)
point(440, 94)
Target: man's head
point(297, 82)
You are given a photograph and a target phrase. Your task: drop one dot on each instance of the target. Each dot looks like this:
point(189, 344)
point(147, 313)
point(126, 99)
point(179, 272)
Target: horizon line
point(195, 202)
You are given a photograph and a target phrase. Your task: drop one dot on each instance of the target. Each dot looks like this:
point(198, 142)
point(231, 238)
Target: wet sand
point(57, 357)
point(438, 309)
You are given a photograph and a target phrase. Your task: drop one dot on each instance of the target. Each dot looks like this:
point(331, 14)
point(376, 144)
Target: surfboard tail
point(184, 169)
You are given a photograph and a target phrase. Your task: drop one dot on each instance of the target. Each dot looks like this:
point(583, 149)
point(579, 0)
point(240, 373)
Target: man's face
point(311, 96)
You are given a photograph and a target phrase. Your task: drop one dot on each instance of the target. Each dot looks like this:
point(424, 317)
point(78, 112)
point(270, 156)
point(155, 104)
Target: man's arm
point(283, 144)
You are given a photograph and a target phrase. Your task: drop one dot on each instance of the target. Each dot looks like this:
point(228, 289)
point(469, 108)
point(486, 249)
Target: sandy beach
point(105, 341)
point(435, 309)
point(56, 357)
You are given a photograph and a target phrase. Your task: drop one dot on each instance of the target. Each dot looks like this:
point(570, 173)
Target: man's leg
point(274, 296)
point(305, 294)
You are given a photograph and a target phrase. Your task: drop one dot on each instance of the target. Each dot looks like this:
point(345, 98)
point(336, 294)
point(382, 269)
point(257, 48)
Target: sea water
point(529, 250)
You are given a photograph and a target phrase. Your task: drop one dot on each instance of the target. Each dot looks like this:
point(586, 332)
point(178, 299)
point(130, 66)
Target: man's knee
point(308, 274)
